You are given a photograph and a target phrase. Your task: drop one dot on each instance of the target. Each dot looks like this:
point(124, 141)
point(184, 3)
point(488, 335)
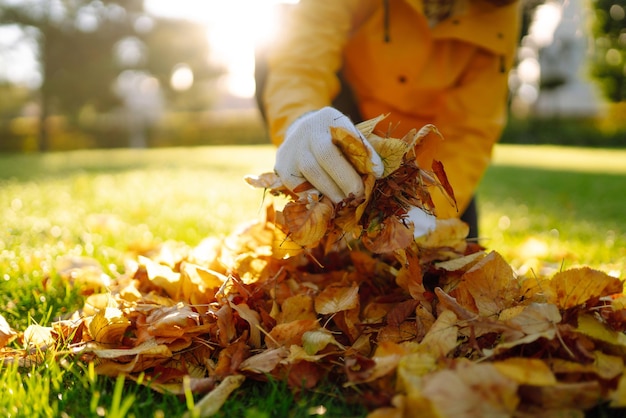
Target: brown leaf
point(490, 285)
point(579, 395)
point(389, 236)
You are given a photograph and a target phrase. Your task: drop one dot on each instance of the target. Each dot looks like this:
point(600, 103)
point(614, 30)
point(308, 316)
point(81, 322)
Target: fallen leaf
point(307, 222)
point(575, 287)
point(108, 326)
point(335, 299)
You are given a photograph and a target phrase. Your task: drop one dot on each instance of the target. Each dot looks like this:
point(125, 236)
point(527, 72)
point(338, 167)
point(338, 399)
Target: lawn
point(541, 207)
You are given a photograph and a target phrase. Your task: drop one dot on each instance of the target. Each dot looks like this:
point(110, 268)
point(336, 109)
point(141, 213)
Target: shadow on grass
point(222, 159)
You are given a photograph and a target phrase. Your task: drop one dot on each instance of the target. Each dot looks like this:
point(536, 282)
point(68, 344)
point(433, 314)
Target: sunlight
point(233, 29)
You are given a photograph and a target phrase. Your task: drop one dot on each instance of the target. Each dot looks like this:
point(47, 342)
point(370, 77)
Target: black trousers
point(346, 103)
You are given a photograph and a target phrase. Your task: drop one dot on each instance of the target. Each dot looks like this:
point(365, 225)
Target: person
point(440, 62)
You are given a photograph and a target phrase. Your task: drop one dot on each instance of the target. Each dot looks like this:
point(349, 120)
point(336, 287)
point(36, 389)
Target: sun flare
point(234, 27)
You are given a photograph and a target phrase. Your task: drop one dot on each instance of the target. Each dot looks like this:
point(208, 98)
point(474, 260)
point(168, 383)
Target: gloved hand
point(423, 222)
point(308, 153)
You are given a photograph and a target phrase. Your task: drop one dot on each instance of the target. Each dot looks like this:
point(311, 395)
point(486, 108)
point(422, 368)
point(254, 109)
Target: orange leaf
point(427, 146)
point(439, 171)
point(290, 333)
point(576, 286)
point(307, 222)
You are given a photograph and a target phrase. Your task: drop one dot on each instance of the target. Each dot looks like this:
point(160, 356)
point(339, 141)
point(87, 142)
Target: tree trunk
point(43, 143)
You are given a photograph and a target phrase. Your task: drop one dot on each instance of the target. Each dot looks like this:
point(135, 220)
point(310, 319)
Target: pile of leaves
point(433, 326)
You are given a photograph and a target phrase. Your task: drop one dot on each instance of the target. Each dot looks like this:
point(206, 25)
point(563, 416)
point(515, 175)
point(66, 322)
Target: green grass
point(541, 207)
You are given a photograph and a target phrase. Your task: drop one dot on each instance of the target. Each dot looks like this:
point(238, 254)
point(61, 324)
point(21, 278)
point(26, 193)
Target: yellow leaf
point(391, 152)
point(575, 287)
point(307, 222)
point(353, 149)
point(162, 276)
point(448, 233)
point(335, 299)
point(149, 348)
point(316, 340)
point(198, 284)
point(296, 307)
point(442, 336)
point(526, 371)
point(604, 365)
point(367, 127)
point(283, 246)
point(590, 326)
point(108, 325)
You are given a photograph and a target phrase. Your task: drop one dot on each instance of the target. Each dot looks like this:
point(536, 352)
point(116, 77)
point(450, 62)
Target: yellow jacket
point(453, 75)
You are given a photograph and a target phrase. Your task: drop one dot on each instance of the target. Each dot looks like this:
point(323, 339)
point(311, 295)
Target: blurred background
point(80, 74)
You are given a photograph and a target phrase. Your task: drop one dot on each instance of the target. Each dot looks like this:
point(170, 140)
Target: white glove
point(422, 221)
point(308, 153)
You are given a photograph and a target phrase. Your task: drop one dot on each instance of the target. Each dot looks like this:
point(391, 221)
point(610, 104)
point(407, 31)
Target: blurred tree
point(609, 65)
point(175, 44)
point(74, 39)
point(84, 46)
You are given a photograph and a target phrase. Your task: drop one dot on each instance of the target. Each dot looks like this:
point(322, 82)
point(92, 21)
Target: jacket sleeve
point(303, 63)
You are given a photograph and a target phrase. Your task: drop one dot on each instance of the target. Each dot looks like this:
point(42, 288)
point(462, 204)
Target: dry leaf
point(576, 286)
point(108, 326)
point(335, 299)
point(307, 222)
point(353, 149)
point(7, 334)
